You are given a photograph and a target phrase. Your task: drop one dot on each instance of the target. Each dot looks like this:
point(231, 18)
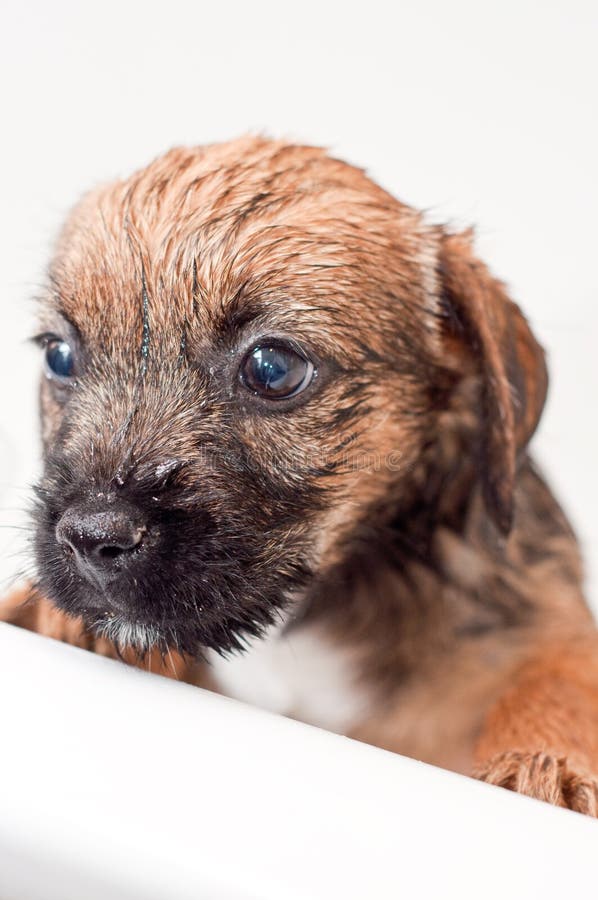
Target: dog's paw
point(27, 609)
point(543, 776)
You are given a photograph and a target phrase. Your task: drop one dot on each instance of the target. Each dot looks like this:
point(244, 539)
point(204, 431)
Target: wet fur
point(394, 510)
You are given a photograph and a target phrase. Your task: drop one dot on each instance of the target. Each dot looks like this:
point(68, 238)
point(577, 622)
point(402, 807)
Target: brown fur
point(435, 551)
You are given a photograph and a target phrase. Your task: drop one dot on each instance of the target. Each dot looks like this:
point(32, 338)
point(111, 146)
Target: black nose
point(102, 538)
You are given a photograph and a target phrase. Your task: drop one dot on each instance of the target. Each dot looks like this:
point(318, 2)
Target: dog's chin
point(191, 635)
point(127, 634)
point(191, 626)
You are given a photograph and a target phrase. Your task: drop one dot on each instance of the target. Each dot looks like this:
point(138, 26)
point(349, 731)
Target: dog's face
point(249, 352)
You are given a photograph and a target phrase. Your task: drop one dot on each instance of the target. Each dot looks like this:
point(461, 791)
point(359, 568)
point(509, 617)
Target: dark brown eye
point(276, 371)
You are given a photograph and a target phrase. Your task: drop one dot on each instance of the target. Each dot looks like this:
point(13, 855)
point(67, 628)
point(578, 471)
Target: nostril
point(111, 551)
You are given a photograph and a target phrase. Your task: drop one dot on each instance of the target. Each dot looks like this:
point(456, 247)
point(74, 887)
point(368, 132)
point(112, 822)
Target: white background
point(480, 112)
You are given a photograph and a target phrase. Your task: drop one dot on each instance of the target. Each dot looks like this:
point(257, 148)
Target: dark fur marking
point(145, 334)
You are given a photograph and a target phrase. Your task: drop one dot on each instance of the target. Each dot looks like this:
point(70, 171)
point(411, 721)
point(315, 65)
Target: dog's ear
point(485, 328)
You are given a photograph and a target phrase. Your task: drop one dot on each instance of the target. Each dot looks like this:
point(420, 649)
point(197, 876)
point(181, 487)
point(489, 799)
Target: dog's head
point(252, 355)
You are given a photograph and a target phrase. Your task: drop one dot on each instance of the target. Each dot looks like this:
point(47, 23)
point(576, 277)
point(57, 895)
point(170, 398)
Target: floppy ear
point(482, 323)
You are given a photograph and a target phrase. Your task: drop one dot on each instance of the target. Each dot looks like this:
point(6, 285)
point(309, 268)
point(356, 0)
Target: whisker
point(172, 664)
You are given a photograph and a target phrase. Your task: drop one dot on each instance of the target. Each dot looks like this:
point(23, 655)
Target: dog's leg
point(27, 609)
point(541, 737)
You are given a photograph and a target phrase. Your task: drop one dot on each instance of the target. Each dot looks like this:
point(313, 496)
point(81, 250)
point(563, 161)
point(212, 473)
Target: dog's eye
point(276, 371)
point(59, 360)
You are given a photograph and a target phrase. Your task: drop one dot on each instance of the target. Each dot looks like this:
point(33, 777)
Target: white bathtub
point(119, 784)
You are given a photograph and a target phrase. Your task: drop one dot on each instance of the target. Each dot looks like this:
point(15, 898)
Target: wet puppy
point(285, 426)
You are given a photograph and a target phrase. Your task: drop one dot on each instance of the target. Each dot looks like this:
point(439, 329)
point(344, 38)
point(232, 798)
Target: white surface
point(482, 113)
point(117, 785)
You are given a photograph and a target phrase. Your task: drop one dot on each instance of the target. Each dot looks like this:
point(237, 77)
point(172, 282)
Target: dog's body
point(365, 519)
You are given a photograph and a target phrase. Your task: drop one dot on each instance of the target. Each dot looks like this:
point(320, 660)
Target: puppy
point(285, 425)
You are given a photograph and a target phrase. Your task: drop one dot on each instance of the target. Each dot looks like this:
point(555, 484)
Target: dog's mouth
point(222, 617)
point(182, 615)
